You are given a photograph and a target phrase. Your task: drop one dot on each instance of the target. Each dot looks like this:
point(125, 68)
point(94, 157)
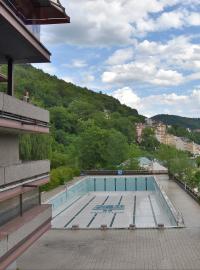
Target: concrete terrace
point(123, 249)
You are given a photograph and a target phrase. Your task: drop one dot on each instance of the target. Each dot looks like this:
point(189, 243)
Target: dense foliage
point(185, 122)
point(183, 132)
point(149, 142)
point(179, 164)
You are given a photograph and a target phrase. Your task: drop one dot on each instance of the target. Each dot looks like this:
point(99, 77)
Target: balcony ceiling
point(17, 42)
point(41, 11)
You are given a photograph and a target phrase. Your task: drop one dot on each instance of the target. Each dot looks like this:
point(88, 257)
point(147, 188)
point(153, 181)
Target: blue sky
point(144, 53)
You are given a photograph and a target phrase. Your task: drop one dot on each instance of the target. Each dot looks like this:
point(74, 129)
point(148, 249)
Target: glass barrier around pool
point(165, 205)
point(94, 184)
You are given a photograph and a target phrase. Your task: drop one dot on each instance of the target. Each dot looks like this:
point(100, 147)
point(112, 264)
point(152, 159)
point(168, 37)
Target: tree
point(92, 145)
point(35, 147)
point(198, 161)
point(149, 141)
point(101, 148)
point(116, 149)
point(63, 120)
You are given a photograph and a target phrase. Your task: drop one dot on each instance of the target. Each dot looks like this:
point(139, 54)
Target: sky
point(145, 53)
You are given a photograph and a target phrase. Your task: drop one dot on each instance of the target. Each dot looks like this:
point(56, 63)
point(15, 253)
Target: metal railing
point(189, 190)
point(123, 172)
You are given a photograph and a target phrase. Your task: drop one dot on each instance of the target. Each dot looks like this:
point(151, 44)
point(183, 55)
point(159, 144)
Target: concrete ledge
point(17, 232)
point(26, 170)
point(20, 189)
point(22, 116)
point(18, 107)
point(23, 171)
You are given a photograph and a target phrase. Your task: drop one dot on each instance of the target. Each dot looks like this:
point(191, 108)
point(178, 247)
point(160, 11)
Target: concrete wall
point(22, 171)
point(26, 170)
point(9, 149)
point(21, 108)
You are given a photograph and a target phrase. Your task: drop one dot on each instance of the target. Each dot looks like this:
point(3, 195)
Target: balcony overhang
point(19, 116)
point(17, 42)
point(41, 11)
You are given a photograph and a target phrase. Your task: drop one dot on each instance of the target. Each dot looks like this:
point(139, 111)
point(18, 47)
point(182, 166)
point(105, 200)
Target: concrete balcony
point(22, 172)
point(21, 116)
point(20, 233)
point(18, 42)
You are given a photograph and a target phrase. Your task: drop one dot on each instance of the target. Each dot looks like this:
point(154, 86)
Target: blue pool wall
point(91, 184)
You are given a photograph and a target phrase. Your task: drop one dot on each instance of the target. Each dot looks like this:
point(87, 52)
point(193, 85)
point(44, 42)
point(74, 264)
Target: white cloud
point(158, 63)
point(78, 63)
point(146, 72)
point(120, 56)
point(68, 79)
point(184, 105)
point(127, 96)
point(109, 22)
point(193, 19)
point(114, 22)
point(176, 19)
point(46, 67)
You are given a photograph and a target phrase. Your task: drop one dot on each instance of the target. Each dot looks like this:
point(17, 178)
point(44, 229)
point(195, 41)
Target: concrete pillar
point(10, 90)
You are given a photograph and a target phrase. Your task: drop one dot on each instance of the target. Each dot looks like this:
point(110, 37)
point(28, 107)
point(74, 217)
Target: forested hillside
point(185, 122)
point(88, 129)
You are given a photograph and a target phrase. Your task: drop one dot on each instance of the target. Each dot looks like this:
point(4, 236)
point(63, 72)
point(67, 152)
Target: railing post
point(10, 86)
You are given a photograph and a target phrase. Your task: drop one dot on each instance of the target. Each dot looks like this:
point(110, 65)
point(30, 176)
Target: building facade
point(23, 219)
point(163, 137)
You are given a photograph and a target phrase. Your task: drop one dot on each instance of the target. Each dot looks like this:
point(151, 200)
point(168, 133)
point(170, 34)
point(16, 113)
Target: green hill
point(49, 91)
point(185, 122)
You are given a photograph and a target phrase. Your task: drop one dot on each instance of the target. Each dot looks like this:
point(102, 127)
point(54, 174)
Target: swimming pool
point(114, 202)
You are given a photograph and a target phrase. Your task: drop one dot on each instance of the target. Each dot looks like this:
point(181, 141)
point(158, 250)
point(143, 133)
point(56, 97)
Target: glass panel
point(30, 199)
point(9, 209)
point(150, 184)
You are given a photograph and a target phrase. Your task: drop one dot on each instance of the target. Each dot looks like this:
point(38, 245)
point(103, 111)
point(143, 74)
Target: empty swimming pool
point(114, 202)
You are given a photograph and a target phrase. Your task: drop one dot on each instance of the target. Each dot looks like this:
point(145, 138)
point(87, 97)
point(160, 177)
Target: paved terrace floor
point(122, 249)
